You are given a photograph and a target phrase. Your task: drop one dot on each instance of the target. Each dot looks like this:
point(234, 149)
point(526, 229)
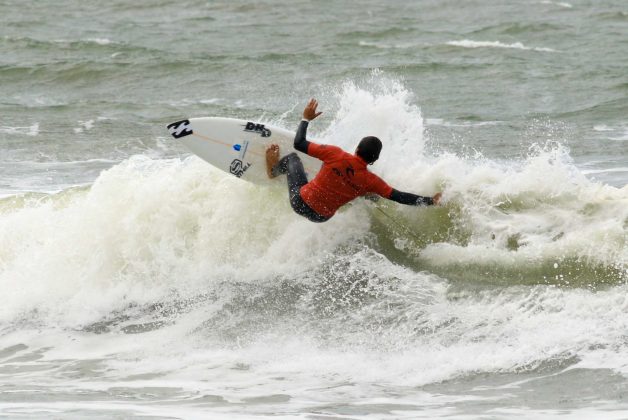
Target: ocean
point(139, 282)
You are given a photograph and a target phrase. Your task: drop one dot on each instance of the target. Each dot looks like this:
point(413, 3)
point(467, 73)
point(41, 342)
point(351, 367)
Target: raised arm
point(309, 113)
point(300, 143)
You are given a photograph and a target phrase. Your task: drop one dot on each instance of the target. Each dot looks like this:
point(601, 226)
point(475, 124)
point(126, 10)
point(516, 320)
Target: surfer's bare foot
point(272, 157)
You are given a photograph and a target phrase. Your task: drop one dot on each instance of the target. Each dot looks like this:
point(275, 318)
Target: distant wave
point(622, 132)
point(31, 130)
point(99, 41)
point(623, 137)
point(56, 164)
point(441, 122)
point(603, 171)
point(616, 16)
point(467, 43)
point(562, 4)
point(386, 46)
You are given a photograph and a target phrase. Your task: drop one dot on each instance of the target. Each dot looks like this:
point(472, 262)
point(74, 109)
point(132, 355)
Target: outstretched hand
point(309, 113)
point(436, 198)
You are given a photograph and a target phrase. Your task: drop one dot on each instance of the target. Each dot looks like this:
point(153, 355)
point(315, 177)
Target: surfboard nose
point(180, 129)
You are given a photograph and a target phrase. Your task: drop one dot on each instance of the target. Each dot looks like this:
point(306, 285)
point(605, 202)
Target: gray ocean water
point(140, 282)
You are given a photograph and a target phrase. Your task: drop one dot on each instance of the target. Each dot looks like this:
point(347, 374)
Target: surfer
point(342, 178)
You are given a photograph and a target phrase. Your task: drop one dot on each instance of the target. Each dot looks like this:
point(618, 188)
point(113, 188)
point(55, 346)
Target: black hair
point(369, 149)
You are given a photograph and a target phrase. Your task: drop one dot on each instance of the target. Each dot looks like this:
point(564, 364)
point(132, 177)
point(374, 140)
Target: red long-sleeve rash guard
point(342, 178)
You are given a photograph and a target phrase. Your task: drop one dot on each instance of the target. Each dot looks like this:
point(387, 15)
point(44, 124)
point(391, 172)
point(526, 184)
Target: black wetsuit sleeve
point(300, 143)
point(410, 199)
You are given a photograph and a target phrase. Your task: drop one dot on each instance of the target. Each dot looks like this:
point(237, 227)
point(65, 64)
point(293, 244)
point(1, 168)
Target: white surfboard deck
point(237, 147)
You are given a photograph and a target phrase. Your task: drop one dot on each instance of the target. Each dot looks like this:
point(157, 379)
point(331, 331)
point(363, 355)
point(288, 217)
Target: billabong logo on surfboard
point(237, 168)
point(257, 128)
point(180, 129)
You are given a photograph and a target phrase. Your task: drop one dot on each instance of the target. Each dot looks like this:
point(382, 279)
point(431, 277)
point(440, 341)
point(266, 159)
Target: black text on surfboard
point(237, 168)
point(257, 128)
point(180, 129)
point(242, 148)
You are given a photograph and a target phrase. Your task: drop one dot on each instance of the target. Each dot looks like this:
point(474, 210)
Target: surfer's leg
point(280, 166)
point(292, 166)
point(296, 179)
point(276, 166)
point(295, 170)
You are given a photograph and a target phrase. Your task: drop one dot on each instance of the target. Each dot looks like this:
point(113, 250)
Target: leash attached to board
point(399, 224)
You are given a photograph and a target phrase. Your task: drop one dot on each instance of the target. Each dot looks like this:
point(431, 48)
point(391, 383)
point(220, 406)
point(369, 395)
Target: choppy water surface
point(139, 282)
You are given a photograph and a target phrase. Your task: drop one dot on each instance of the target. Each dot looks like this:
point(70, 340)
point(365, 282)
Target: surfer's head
point(369, 149)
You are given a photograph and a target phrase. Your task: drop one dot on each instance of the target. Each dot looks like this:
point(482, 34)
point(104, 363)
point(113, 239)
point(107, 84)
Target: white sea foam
point(552, 224)
point(88, 124)
point(117, 250)
point(467, 43)
point(84, 126)
point(384, 110)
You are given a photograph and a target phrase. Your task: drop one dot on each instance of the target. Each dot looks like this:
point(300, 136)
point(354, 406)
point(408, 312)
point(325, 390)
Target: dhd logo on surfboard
point(257, 128)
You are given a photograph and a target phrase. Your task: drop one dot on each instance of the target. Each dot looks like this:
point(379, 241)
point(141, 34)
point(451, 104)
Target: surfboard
point(237, 147)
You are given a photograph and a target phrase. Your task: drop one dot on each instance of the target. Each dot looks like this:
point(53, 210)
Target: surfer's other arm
point(381, 188)
point(309, 113)
point(413, 199)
